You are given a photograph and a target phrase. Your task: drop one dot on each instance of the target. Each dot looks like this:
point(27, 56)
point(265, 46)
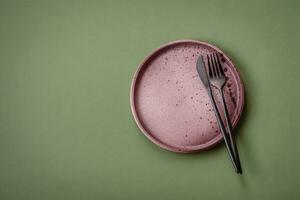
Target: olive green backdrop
point(66, 130)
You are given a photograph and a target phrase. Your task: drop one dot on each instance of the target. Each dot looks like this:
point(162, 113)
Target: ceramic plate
point(170, 104)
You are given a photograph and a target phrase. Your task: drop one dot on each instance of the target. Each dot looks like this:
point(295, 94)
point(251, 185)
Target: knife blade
point(202, 72)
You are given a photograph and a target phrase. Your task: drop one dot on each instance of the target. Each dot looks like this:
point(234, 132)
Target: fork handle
point(223, 131)
point(231, 136)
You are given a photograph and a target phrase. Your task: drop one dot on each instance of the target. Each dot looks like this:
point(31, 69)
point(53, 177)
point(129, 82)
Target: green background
point(66, 130)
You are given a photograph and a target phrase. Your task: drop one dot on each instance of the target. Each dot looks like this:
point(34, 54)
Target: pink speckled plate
point(170, 104)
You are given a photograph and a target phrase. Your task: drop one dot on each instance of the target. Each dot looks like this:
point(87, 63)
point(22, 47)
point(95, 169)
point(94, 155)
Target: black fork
point(217, 79)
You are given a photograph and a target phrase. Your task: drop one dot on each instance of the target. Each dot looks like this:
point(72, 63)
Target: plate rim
point(185, 149)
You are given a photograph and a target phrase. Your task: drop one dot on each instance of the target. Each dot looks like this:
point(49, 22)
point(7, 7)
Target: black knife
point(203, 76)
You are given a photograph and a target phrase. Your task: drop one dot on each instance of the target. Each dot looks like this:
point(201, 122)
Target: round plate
point(170, 104)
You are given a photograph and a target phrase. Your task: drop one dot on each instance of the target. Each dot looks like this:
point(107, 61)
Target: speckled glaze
point(170, 104)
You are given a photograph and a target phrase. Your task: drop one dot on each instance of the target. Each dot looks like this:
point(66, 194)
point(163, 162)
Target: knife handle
point(223, 131)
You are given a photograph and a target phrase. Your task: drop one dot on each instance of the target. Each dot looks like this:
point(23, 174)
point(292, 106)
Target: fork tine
point(212, 66)
point(220, 66)
point(215, 67)
point(209, 66)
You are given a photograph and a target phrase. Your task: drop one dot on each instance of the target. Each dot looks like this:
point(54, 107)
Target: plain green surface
point(66, 130)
